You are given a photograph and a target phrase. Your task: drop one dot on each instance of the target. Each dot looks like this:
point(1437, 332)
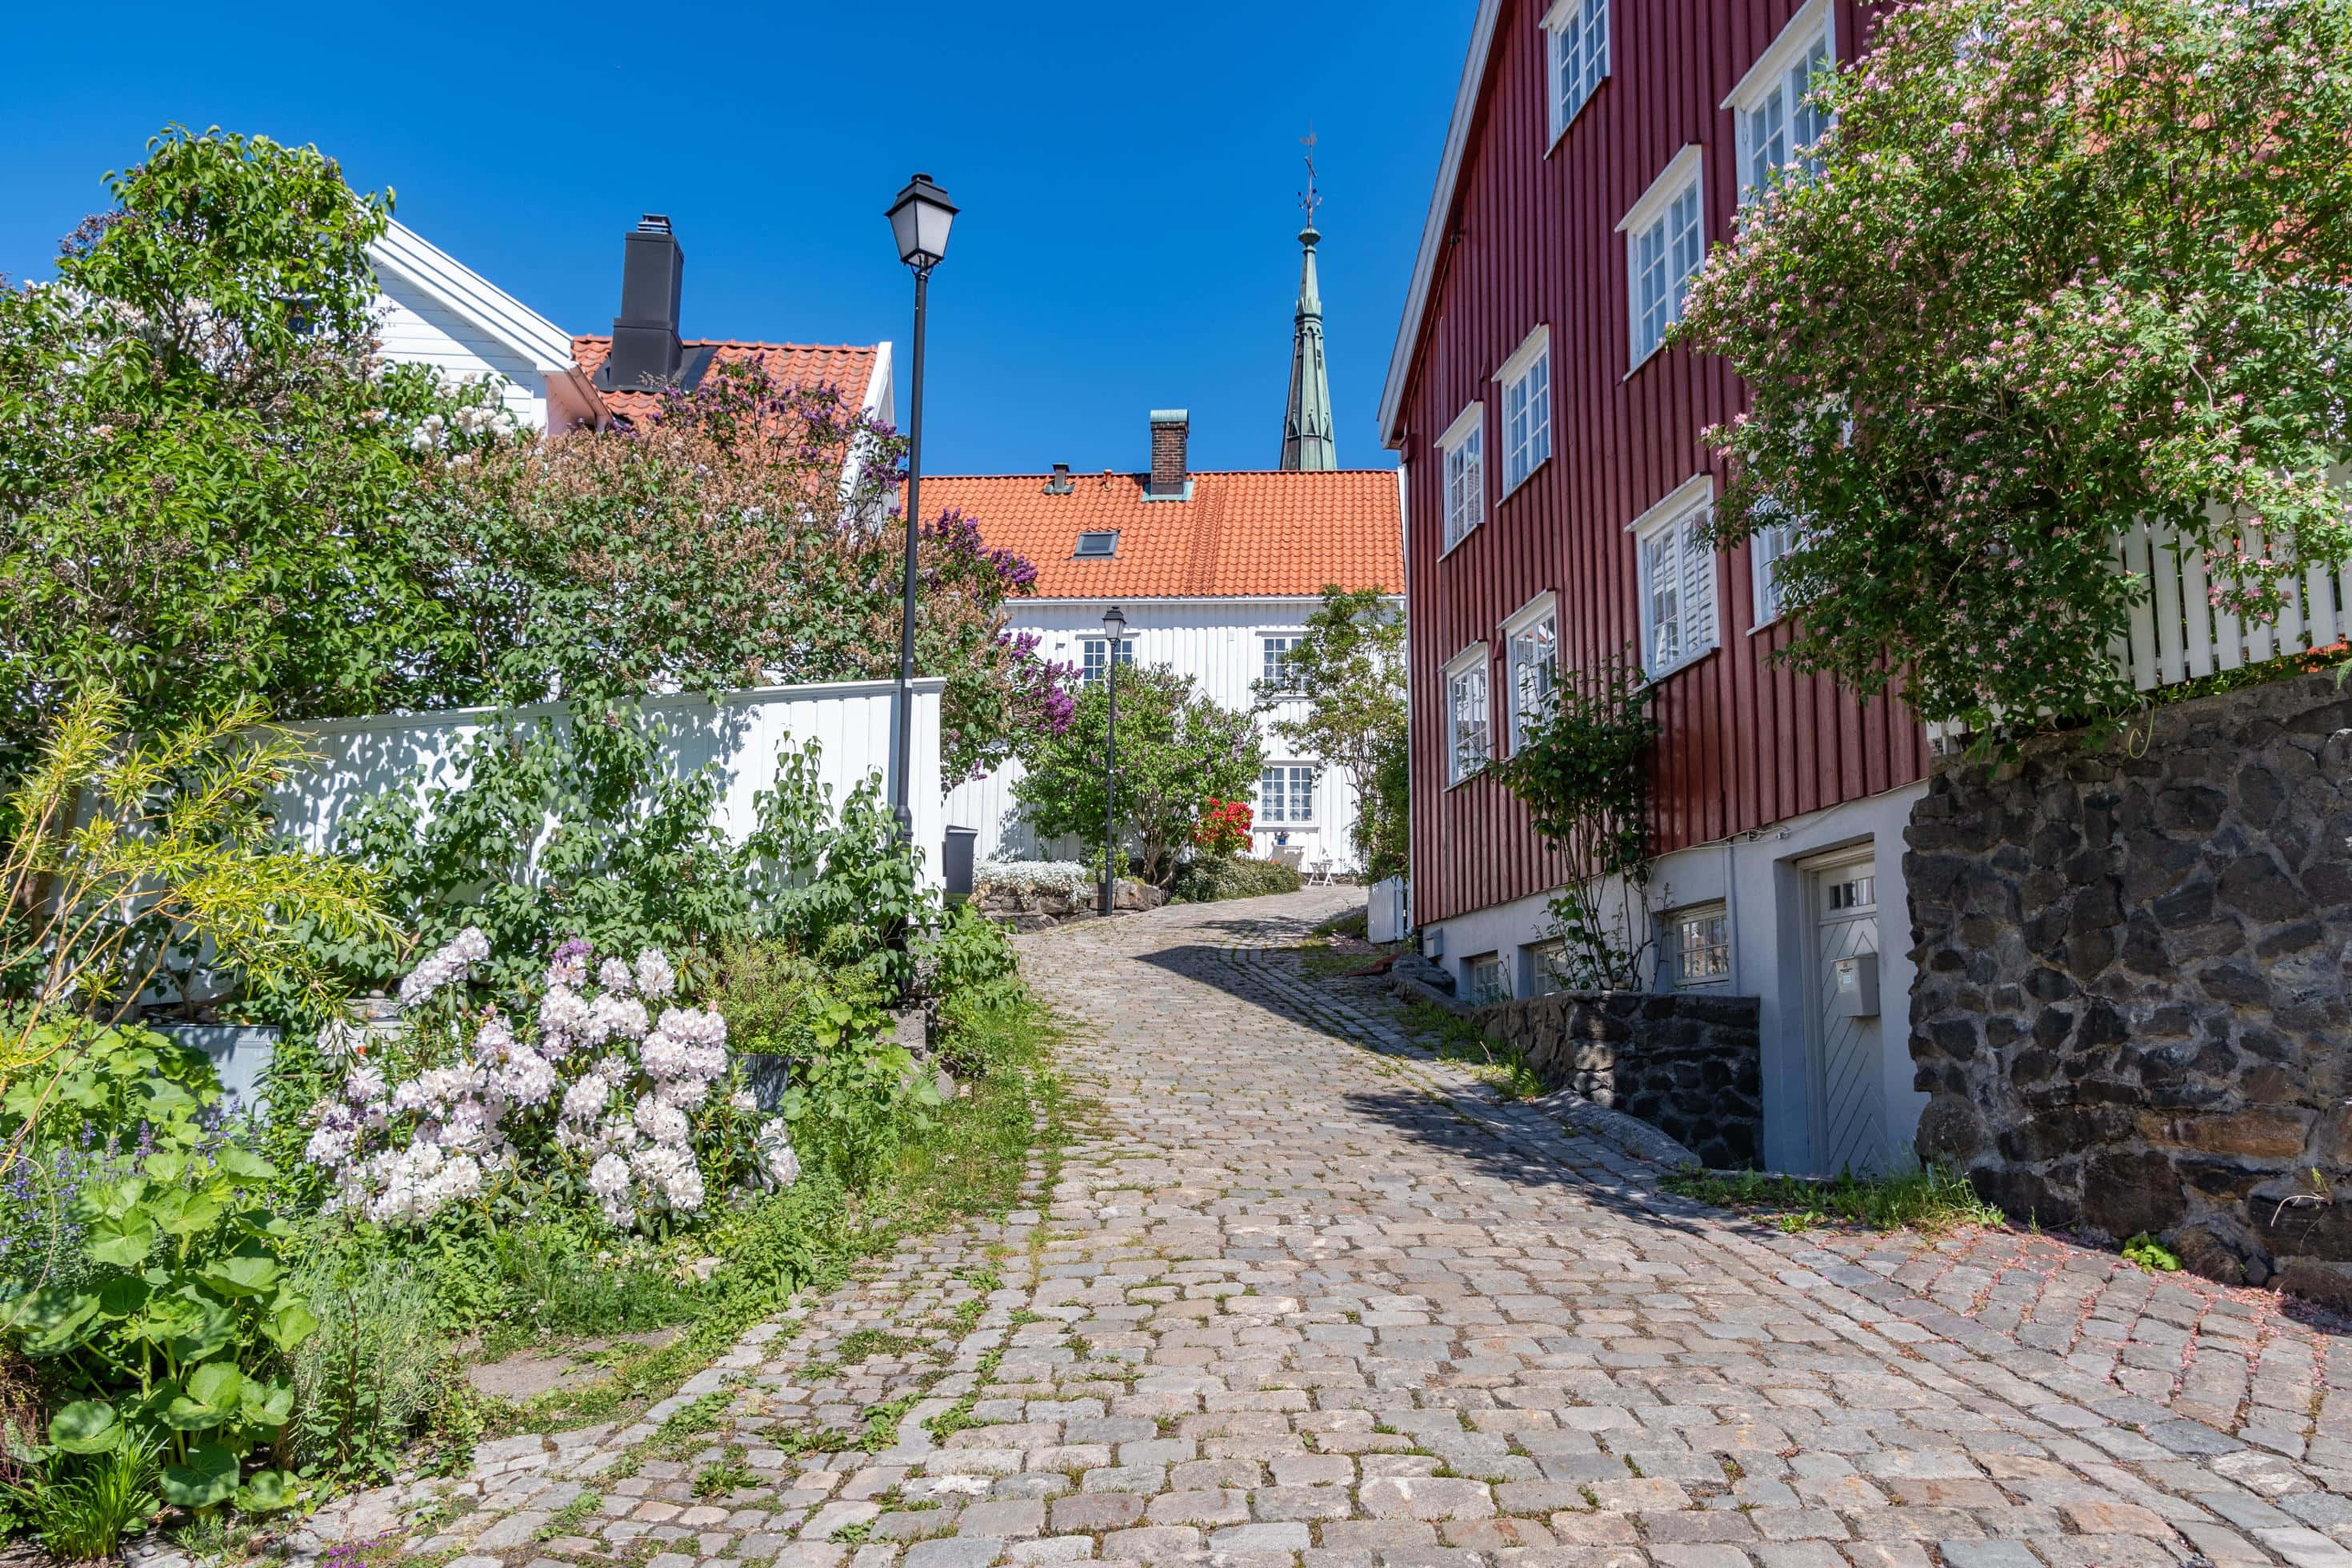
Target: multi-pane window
point(1766, 549)
point(1856, 892)
point(1277, 651)
point(1663, 254)
point(1678, 567)
point(1547, 967)
point(1465, 719)
point(1285, 796)
point(1483, 980)
point(1465, 450)
point(1577, 48)
point(1780, 119)
point(1698, 946)
point(1527, 412)
point(1096, 657)
point(1534, 653)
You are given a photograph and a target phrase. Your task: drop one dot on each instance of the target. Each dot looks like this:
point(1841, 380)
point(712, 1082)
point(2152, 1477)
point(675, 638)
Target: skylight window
point(1097, 546)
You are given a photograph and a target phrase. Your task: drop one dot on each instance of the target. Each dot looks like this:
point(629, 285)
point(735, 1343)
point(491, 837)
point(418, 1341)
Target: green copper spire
point(1308, 442)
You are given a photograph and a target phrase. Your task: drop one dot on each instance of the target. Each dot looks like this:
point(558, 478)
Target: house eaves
point(473, 298)
point(1440, 221)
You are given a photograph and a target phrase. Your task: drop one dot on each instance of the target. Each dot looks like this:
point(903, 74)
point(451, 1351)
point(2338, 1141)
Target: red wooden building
point(1555, 479)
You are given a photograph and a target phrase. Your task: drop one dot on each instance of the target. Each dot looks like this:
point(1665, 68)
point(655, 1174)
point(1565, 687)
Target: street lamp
point(1114, 628)
point(920, 220)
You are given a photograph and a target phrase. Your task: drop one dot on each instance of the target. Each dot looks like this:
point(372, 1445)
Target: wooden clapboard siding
point(1533, 240)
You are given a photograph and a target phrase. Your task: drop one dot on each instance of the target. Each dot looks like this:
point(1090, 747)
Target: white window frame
point(1088, 675)
point(1540, 614)
point(1291, 637)
point(1470, 663)
point(1487, 964)
point(1766, 548)
point(1526, 401)
point(1674, 232)
point(1290, 793)
point(1582, 24)
point(1775, 86)
point(1674, 564)
point(1462, 468)
point(1677, 950)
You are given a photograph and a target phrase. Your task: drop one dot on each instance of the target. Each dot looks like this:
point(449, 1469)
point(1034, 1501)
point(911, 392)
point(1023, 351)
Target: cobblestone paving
point(1293, 1301)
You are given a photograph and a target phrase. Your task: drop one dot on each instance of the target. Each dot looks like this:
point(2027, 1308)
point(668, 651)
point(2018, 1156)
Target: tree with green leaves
point(2059, 267)
point(1178, 747)
point(205, 487)
point(1349, 668)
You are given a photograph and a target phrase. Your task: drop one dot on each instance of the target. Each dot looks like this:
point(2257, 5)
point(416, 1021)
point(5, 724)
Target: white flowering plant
point(598, 1090)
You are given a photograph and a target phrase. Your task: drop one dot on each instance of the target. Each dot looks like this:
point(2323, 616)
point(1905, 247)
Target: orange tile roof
point(1256, 533)
point(846, 365)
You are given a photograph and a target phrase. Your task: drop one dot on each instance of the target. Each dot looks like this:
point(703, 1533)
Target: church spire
point(1309, 441)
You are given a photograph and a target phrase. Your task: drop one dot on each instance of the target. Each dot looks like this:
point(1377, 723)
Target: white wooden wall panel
point(417, 330)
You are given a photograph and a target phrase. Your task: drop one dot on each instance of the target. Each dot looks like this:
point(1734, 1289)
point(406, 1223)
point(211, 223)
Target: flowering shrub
point(1036, 876)
point(1224, 828)
point(593, 1092)
point(2064, 265)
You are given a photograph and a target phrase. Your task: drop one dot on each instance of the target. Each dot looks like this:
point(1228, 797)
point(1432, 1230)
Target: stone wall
point(1036, 908)
point(2132, 1005)
point(1685, 1062)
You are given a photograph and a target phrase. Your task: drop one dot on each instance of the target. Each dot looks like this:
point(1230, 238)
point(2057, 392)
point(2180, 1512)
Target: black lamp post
point(920, 220)
point(1114, 628)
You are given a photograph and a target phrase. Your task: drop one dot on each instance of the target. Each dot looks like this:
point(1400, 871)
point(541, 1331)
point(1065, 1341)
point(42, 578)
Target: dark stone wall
point(2133, 998)
point(1688, 1063)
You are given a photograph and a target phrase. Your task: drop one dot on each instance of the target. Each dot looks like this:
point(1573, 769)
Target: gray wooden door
point(1848, 1078)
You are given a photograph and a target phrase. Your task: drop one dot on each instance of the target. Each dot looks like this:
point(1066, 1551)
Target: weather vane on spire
point(1307, 199)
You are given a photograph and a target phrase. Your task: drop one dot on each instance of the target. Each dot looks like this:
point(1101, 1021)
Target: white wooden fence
point(742, 733)
point(2180, 634)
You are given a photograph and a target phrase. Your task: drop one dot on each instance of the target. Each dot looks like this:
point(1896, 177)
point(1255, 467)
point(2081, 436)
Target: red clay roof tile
point(847, 366)
point(1254, 534)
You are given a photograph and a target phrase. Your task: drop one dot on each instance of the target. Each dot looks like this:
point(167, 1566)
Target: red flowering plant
point(1224, 828)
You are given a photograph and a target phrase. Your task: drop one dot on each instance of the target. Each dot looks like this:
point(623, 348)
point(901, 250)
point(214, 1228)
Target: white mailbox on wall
point(1856, 996)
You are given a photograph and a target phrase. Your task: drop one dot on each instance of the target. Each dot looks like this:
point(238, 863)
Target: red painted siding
point(1534, 240)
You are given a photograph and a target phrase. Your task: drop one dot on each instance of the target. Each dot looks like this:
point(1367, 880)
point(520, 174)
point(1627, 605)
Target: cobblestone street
point(1299, 1293)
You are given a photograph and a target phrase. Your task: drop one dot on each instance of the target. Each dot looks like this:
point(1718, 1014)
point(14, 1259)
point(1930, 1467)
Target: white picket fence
point(2179, 634)
point(740, 733)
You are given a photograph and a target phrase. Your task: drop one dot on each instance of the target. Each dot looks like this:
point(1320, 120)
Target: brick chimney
point(1171, 429)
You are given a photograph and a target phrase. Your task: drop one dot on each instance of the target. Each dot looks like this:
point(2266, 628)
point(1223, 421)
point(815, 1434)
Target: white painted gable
point(433, 309)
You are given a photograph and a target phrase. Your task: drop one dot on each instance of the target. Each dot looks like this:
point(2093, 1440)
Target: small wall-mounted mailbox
point(1433, 943)
point(1857, 987)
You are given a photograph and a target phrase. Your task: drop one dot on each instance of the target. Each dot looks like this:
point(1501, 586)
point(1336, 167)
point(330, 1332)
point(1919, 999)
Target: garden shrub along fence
point(2180, 634)
point(742, 733)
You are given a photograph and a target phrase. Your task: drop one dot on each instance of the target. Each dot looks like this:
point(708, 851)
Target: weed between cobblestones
point(1931, 1200)
point(568, 1519)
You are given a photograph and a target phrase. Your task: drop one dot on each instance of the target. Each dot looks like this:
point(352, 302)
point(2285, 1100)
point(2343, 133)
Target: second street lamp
point(1114, 629)
point(920, 221)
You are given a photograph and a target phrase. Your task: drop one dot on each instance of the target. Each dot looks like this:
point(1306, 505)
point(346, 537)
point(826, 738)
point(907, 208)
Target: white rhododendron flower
point(662, 1123)
point(778, 1160)
point(453, 962)
point(655, 978)
point(584, 1100)
point(615, 1017)
point(366, 1085)
point(615, 976)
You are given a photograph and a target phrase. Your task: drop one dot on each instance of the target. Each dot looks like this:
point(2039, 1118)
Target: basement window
point(1097, 546)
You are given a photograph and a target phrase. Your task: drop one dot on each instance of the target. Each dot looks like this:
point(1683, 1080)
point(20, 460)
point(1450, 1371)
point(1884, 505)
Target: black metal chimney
point(646, 348)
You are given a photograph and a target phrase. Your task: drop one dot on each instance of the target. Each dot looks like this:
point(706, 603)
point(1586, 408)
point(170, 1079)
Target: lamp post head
point(1114, 623)
point(920, 220)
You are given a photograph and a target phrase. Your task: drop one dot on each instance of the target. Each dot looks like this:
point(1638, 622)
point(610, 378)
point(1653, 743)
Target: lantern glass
point(920, 221)
point(1113, 624)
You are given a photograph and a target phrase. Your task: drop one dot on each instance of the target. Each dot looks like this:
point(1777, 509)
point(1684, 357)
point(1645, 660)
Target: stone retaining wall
point(1036, 908)
point(1685, 1062)
point(2132, 1006)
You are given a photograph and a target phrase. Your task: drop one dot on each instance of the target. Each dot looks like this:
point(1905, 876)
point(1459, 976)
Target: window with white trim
point(1766, 548)
point(1677, 581)
point(1698, 946)
point(1466, 721)
point(1666, 240)
point(1285, 796)
point(1464, 448)
point(1525, 379)
point(1094, 657)
point(1531, 649)
point(1576, 49)
point(1483, 980)
point(1778, 117)
point(1277, 651)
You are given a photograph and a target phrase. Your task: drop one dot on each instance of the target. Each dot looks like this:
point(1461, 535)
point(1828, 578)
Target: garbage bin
point(955, 862)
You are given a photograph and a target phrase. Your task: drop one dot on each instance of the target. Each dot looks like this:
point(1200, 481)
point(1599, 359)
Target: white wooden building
point(1216, 574)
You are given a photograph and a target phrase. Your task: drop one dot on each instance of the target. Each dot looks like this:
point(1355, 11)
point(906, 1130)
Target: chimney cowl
point(1059, 484)
point(1172, 479)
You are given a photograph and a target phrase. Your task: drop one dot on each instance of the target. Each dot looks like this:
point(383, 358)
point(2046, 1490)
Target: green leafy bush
point(1209, 879)
point(969, 960)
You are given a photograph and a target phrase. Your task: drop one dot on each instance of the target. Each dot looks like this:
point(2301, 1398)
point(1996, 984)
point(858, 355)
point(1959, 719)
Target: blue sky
point(1128, 176)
